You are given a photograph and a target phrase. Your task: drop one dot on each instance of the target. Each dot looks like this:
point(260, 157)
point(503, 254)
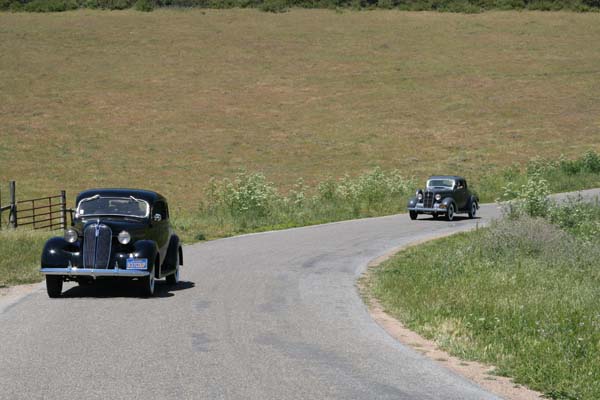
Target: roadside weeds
point(481, 374)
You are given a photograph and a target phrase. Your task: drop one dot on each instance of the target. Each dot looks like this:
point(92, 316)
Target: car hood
point(135, 227)
point(443, 192)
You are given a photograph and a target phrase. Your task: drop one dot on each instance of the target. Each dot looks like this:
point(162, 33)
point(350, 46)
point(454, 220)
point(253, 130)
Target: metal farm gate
point(48, 212)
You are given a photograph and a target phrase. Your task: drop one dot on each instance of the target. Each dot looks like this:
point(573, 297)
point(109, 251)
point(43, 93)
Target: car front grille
point(97, 240)
point(428, 200)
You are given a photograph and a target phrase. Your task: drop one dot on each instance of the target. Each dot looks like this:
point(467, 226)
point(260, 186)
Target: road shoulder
point(11, 295)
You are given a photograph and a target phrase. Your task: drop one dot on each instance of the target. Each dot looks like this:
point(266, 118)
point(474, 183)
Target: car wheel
point(450, 212)
point(473, 210)
point(54, 285)
point(173, 279)
point(413, 215)
point(147, 284)
point(435, 215)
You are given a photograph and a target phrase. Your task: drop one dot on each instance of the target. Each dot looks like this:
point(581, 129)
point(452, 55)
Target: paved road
point(266, 316)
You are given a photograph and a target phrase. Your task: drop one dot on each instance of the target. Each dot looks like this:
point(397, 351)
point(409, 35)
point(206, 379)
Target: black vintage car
point(444, 195)
point(115, 234)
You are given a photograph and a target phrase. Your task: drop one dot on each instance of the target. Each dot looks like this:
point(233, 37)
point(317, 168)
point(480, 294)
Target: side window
point(461, 184)
point(160, 207)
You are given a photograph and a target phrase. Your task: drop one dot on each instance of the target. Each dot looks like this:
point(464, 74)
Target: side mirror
point(157, 218)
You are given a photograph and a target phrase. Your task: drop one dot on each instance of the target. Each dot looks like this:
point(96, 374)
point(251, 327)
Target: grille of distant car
point(428, 200)
point(96, 246)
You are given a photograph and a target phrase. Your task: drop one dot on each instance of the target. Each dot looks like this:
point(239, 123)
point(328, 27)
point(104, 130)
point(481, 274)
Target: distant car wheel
point(54, 285)
point(435, 215)
point(173, 279)
point(450, 212)
point(413, 215)
point(147, 284)
point(473, 210)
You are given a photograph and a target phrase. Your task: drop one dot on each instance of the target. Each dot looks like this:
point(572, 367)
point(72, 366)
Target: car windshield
point(440, 183)
point(120, 206)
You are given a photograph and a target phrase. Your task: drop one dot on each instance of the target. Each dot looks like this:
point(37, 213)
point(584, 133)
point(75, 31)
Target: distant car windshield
point(441, 183)
point(120, 206)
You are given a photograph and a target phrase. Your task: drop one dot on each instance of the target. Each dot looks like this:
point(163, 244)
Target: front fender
point(58, 253)
point(412, 202)
point(173, 251)
point(447, 201)
point(146, 249)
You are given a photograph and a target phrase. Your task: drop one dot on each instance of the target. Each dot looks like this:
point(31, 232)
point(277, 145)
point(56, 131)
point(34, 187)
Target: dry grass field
point(166, 100)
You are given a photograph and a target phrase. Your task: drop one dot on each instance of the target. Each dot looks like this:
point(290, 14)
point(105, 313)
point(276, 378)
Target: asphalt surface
point(274, 315)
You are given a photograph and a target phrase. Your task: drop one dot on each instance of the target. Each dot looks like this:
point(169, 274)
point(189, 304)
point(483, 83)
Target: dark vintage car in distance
point(444, 195)
point(115, 234)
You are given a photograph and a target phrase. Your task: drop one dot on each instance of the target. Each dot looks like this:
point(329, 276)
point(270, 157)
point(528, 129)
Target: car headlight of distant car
point(71, 235)
point(420, 196)
point(124, 237)
point(438, 197)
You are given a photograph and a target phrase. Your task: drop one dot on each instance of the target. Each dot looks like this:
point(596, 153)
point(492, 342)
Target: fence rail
point(39, 213)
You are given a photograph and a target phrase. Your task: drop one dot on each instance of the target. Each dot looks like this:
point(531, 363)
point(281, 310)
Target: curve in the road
point(274, 315)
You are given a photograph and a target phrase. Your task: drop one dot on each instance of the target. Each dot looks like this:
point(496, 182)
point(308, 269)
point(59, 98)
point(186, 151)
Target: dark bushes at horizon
point(465, 6)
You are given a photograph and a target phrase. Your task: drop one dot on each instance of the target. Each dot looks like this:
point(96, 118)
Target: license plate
point(137, 263)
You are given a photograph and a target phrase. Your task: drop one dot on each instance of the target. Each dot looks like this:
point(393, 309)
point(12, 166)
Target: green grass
point(20, 261)
point(522, 295)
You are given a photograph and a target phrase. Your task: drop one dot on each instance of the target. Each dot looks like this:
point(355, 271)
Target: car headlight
point(71, 235)
point(438, 197)
point(124, 237)
point(420, 196)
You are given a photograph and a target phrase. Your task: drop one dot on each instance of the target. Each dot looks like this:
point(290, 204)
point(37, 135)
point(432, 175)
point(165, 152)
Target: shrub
point(247, 194)
point(531, 198)
point(591, 162)
point(527, 236)
point(144, 5)
point(274, 6)
point(510, 4)
point(5, 4)
point(50, 5)
point(250, 201)
point(110, 4)
point(16, 6)
point(592, 3)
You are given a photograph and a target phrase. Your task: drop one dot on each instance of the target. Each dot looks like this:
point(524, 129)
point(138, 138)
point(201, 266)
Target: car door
point(460, 194)
point(160, 226)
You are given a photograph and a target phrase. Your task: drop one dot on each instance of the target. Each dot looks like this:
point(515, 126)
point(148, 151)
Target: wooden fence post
point(63, 208)
point(12, 216)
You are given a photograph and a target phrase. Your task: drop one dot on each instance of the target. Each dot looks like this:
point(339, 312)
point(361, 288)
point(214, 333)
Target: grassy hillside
point(167, 100)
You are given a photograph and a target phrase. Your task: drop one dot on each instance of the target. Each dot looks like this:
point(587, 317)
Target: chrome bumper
point(423, 209)
point(74, 271)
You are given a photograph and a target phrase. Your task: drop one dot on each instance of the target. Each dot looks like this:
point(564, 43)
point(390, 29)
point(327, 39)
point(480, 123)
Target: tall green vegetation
point(250, 203)
point(464, 6)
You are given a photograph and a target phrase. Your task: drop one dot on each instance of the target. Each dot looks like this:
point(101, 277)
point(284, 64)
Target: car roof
point(147, 195)
point(455, 177)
